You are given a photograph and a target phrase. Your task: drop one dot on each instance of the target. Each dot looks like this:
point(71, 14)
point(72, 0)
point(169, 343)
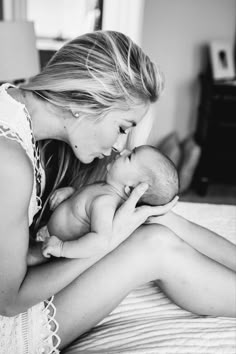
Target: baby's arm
point(90, 244)
point(87, 246)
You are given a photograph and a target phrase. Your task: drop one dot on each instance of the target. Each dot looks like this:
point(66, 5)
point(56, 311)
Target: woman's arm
point(34, 255)
point(203, 240)
point(22, 286)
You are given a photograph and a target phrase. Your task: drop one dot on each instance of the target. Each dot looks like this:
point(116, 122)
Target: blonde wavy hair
point(93, 74)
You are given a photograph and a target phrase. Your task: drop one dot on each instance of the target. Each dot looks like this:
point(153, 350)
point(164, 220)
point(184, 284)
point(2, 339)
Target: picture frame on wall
point(222, 60)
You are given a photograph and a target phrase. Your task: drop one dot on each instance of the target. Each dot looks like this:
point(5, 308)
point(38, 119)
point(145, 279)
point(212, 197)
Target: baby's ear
point(128, 190)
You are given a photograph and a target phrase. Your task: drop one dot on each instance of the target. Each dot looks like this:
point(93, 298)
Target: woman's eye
point(122, 131)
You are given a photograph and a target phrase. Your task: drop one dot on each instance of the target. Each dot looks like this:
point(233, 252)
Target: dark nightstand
point(216, 134)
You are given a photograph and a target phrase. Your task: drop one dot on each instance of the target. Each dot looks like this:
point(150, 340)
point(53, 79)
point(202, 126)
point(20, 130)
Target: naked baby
point(71, 230)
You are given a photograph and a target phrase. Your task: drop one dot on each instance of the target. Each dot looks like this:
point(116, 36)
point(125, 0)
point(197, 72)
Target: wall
point(125, 16)
point(174, 35)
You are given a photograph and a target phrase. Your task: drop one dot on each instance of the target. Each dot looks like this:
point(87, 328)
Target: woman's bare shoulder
point(16, 178)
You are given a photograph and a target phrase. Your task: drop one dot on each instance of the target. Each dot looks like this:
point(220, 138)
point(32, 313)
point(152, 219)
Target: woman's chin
point(89, 158)
point(85, 159)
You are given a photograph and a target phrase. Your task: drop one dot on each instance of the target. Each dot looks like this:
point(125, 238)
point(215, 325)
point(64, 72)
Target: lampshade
point(19, 57)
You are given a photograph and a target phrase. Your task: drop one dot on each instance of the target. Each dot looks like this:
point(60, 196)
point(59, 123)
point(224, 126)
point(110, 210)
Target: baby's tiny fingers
point(46, 253)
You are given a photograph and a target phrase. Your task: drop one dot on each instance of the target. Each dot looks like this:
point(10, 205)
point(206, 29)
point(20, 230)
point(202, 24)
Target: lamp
point(19, 57)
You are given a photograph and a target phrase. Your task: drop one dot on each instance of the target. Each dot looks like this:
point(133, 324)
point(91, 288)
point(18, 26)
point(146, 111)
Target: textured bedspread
point(147, 322)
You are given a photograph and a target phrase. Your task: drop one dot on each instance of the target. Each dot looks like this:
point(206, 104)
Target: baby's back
point(72, 218)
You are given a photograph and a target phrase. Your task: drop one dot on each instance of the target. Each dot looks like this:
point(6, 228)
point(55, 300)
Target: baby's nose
point(125, 152)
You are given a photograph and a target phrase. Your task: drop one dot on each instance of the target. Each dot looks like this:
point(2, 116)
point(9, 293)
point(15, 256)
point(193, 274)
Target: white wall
point(124, 16)
point(174, 32)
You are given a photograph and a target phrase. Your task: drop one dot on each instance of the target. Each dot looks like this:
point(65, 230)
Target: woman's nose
point(108, 152)
point(120, 143)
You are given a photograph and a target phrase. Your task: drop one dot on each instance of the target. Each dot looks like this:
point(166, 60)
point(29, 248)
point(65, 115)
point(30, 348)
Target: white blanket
point(149, 323)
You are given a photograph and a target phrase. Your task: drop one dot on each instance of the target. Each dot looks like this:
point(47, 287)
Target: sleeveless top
point(33, 331)
point(16, 124)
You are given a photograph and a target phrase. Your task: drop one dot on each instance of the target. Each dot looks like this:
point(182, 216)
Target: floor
point(216, 194)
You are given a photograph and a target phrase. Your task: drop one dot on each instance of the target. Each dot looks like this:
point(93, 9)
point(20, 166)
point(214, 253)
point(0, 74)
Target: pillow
point(170, 147)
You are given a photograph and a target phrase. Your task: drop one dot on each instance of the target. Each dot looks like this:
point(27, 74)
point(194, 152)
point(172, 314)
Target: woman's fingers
point(167, 207)
point(154, 211)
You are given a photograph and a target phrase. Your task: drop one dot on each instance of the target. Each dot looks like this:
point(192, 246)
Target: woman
point(95, 89)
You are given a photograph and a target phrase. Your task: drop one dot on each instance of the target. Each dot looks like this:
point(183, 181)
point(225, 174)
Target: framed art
point(221, 60)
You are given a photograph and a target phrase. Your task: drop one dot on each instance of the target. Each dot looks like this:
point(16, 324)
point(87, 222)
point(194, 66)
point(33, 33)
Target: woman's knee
point(155, 238)
point(155, 246)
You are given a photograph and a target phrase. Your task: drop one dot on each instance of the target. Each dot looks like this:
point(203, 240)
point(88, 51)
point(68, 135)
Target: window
point(57, 21)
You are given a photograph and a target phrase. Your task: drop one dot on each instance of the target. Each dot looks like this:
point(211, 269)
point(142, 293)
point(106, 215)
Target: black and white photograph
point(117, 177)
point(221, 55)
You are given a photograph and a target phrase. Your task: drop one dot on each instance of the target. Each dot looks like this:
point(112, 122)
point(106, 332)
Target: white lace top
point(15, 124)
point(33, 331)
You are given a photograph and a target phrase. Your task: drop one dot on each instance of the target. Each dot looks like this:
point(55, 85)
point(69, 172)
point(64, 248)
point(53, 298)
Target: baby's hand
point(52, 247)
point(59, 196)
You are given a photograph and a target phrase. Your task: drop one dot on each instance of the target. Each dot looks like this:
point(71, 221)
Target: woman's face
point(92, 139)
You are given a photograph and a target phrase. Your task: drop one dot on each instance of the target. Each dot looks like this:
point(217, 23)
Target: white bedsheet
point(147, 322)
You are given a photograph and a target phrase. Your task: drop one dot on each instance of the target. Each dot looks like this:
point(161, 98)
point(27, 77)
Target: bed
point(148, 322)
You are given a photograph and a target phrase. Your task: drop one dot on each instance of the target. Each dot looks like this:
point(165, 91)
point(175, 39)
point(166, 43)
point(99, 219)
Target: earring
point(76, 115)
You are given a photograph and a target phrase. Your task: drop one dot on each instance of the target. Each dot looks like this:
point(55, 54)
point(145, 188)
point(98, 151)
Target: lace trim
point(50, 310)
point(25, 332)
point(38, 172)
point(36, 154)
point(8, 132)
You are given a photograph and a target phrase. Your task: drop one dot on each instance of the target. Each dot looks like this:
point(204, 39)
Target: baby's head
point(145, 164)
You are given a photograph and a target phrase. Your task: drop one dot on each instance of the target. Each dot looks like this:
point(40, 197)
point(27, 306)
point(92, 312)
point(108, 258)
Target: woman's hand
point(129, 217)
point(59, 195)
point(120, 223)
point(166, 217)
point(35, 256)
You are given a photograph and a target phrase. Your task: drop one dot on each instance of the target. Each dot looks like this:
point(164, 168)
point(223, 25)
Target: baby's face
point(126, 169)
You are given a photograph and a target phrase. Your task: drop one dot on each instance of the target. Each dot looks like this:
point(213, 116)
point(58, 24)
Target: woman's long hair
point(93, 74)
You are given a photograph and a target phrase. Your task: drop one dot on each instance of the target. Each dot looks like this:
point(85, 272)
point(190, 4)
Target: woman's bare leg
point(189, 278)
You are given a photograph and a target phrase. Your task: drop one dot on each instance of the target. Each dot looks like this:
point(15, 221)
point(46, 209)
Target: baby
point(71, 220)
